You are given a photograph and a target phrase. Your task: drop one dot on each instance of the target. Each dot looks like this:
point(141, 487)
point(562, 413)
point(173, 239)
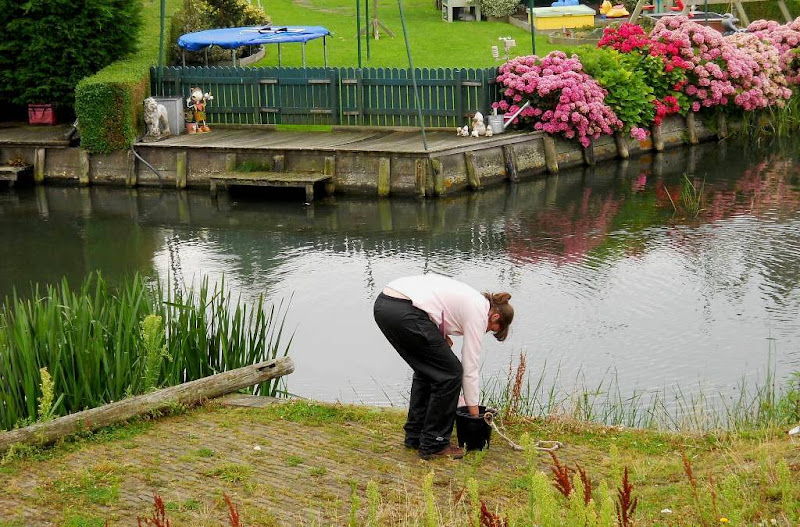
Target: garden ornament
point(561, 3)
point(478, 126)
point(156, 120)
point(197, 103)
point(728, 23)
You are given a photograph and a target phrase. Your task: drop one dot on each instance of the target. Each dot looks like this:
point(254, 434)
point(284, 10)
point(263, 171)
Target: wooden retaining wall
point(361, 162)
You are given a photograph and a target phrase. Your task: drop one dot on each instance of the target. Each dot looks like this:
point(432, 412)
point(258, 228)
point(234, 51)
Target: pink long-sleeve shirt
point(457, 309)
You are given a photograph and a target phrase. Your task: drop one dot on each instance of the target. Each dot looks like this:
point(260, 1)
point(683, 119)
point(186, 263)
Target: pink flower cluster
point(666, 81)
point(564, 100)
point(786, 38)
point(740, 69)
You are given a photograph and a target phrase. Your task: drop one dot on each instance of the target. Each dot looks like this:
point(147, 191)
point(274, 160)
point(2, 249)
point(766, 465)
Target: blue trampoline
point(236, 37)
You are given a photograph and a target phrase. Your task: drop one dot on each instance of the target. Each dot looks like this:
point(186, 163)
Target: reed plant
point(760, 402)
point(101, 343)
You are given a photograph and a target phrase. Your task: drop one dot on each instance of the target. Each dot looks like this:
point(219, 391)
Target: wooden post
point(637, 11)
point(472, 172)
point(722, 126)
point(279, 163)
point(230, 162)
point(38, 165)
point(691, 127)
point(187, 393)
point(83, 166)
point(742, 13)
point(420, 175)
point(510, 158)
point(384, 176)
point(329, 169)
point(622, 146)
point(550, 154)
point(309, 193)
point(785, 11)
point(438, 177)
point(180, 170)
point(588, 154)
point(658, 140)
point(131, 177)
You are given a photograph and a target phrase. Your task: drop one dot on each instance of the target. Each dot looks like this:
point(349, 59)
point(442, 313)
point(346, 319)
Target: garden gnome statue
point(197, 104)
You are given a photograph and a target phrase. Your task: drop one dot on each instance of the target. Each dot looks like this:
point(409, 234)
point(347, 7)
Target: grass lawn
point(305, 463)
point(433, 42)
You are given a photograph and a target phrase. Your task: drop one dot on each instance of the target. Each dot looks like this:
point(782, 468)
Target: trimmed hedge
point(109, 104)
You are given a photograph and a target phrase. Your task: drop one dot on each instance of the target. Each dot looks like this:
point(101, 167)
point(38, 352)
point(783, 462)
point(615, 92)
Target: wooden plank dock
point(304, 180)
point(12, 174)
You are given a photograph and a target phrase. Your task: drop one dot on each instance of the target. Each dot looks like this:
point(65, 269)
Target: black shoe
point(450, 451)
point(413, 445)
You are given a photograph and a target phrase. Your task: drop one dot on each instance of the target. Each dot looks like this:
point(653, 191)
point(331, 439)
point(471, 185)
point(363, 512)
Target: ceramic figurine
point(197, 103)
point(478, 126)
point(156, 120)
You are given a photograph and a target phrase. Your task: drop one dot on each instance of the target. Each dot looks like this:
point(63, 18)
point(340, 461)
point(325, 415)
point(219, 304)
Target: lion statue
point(155, 117)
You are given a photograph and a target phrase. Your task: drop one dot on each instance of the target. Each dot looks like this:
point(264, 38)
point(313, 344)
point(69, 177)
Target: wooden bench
point(13, 173)
point(305, 180)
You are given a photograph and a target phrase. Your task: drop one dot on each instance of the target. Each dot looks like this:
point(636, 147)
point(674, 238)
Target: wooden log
point(550, 154)
point(384, 176)
point(438, 177)
point(420, 176)
point(180, 170)
point(187, 393)
point(83, 167)
point(472, 171)
point(329, 169)
point(38, 165)
point(510, 158)
point(691, 127)
point(622, 146)
point(131, 178)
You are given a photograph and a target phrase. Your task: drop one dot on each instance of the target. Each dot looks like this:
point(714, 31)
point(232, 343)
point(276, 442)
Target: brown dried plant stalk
point(626, 503)
point(159, 518)
point(687, 469)
point(490, 519)
point(587, 484)
point(233, 513)
point(514, 389)
point(562, 475)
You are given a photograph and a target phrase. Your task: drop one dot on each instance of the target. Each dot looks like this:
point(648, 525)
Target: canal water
point(614, 275)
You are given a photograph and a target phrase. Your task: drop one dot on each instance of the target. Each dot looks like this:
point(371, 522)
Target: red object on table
point(41, 114)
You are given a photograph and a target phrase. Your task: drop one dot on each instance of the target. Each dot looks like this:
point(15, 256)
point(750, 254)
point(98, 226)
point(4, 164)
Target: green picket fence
point(334, 96)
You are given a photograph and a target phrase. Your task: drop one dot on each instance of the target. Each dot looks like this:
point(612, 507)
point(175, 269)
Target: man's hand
point(473, 411)
point(449, 340)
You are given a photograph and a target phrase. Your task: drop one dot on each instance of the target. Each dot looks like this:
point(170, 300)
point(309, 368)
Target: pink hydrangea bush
point(786, 38)
point(742, 69)
point(564, 99)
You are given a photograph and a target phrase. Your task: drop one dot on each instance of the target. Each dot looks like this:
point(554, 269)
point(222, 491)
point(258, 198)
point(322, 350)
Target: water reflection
point(606, 273)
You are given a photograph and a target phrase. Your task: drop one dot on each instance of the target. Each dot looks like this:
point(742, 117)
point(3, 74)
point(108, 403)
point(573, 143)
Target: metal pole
point(304, 54)
point(325, 49)
point(279, 55)
point(413, 76)
point(706, 12)
point(358, 29)
point(366, 19)
point(533, 29)
point(161, 49)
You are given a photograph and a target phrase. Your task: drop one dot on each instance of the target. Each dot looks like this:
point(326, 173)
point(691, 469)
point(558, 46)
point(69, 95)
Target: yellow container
point(545, 18)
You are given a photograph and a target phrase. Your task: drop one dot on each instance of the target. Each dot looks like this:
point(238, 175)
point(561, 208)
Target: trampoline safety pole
point(533, 27)
point(367, 27)
point(358, 30)
point(279, 55)
point(413, 76)
point(304, 54)
point(159, 75)
point(325, 49)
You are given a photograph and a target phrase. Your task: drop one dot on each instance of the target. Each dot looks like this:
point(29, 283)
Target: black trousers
point(436, 383)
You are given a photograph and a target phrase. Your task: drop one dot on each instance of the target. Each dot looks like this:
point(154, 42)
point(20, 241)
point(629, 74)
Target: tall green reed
point(760, 401)
point(92, 342)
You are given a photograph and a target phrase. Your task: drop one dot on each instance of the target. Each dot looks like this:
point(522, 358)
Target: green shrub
point(109, 104)
point(628, 93)
point(499, 8)
point(50, 45)
point(197, 15)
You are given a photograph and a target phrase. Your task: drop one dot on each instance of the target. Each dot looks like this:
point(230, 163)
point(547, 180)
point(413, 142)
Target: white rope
point(544, 445)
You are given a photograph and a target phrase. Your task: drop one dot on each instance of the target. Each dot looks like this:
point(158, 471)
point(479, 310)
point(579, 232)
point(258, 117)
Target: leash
point(543, 445)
